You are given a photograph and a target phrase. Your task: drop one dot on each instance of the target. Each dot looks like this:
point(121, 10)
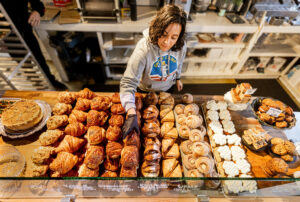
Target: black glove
point(130, 124)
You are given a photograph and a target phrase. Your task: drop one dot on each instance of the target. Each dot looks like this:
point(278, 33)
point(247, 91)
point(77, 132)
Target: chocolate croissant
point(63, 162)
point(77, 116)
point(128, 171)
point(166, 99)
point(101, 103)
point(113, 133)
point(116, 120)
point(82, 104)
point(93, 118)
point(94, 156)
point(151, 141)
point(95, 135)
point(151, 99)
point(66, 97)
point(86, 94)
point(132, 139)
point(57, 121)
point(113, 150)
point(152, 153)
point(151, 127)
point(150, 169)
point(75, 129)
point(130, 156)
point(150, 113)
point(70, 144)
point(117, 109)
point(115, 98)
point(62, 108)
point(111, 164)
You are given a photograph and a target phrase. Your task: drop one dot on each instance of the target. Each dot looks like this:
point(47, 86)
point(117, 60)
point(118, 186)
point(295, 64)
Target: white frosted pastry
point(213, 115)
point(211, 104)
point(237, 153)
point(233, 139)
point(243, 165)
point(233, 186)
point(248, 185)
point(216, 126)
point(224, 152)
point(219, 139)
point(225, 115)
point(228, 126)
point(222, 105)
point(230, 168)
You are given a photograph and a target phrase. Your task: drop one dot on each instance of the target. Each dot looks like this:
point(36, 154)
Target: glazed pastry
point(77, 116)
point(138, 103)
point(113, 149)
point(111, 164)
point(70, 144)
point(186, 147)
point(204, 165)
point(115, 98)
point(75, 129)
point(41, 154)
point(66, 97)
point(117, 109)
point(150, 169)
point(171, 168)
point(152, 153)
point(128, 172)
point(184, 131)
point(116, 120)
point(212, 184)
point(130, 156)
point(194, 121)
point(50, 137)
point(113, 133)
point(95, 135)
point(132, 139)
point(101, 103)
point(63, 162)
point(189, 161)
point(191, 109)
point(181, 119)
point(150, 113)
point(187, 98)
point(109, 173)
point(39, 170)
point(167, 115)
point(151, 140)
point(151, 127)
point(82, 104)
point(170, 149)
point(86, 94)
point(61, 108)
point(85, 171)
point(200, 149)
point(168, 130)
point(151, 99)
point(95, 118)
point(94, 156)
point(57, 121)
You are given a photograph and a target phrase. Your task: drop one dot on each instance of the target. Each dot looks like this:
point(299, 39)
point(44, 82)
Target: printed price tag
point(250, 91)
point(274, 112)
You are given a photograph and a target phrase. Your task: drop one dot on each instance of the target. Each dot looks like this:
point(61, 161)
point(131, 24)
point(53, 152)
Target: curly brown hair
point(167, 15)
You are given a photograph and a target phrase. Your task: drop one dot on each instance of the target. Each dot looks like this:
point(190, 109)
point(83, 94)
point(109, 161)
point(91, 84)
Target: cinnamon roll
point(195, 183)
point(196, 135)
point(116, 120)
point(200, 149)
point(191, 109)
point(186, 147)
point(212, 184)
point(194, 121)
point(184, 131)
point(187, 98)
point(189, 161)
point(181, 119)
point(179, 109)
point(204, 165)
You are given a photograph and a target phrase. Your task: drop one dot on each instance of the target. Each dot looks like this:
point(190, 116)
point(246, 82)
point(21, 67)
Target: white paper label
point(250, 91)
point(274, 112)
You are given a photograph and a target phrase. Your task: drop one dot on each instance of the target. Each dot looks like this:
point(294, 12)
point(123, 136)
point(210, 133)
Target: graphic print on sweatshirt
point(156, 73)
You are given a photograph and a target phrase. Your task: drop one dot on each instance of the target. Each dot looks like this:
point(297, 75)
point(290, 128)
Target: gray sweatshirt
point(144, 70)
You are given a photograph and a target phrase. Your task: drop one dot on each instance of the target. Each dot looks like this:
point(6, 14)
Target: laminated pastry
point(186, 147)
point(276, 166)
point(22, 115)
point(116, 120)
point(83, 104)
point(187, 98)
point(63, 162)
point(101, 103)
point(181, 119)
point(152, 153)
point(167, 115)
point(75, 129)
point(138, 103)
point(61, 108)
point(38, 170)
point(86, 94)
point(109, 173)
point(151, 127)
point(95, 135)
point(50, 137)
point(171, 168)
point(170, 149)
point(151, 99)
point(41, 154)
point(194, 121)
point(111, 164)
point(66, 97)
point(166, 99)
point(150, 169)
point(95, 118)
point(57, 121)
point(184, 131)
point(151, 141)
point(77, 116)
point(85, 171)
point(132, 139)
point(130, 156)
point(94, 156)
point(150, 113)
point(179, 109)
point(197, 135)
point(113, 149)
point(204, 165)
point(191, 109)
point(168, 130)
point(128, 171)
point(189, 161)
point(200, 149)
point(70, 144)
point(117, 109)
point(113, 133)
point(115, 98)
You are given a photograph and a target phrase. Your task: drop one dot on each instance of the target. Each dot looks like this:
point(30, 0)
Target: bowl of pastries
point(281, 148)
point(272, 112)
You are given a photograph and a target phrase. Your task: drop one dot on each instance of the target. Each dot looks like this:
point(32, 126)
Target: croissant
point(151, 99)
point(117, 109)
point(152, 153)
point(84, 171)
point(166, 99)
point(113, 150)
point(151, 127)
point(171, 168)
point(194, 121)
point(94, 156)
point(168, 130)
point(179, 109)
point(70, 144)
point(128, 171)
point(50, 137)
point(86, 94)
point(77, 116)
point(82, 104)
point(101, 103)
point(115, 98)
point(109, 173)
point(116, 120)
point(75, 129)
point(150, 169)
point(61, 108)
point(113, 133)
point(57, 121)
point(111, 164)
point(132, 139)
point(150, 113)
point(138, 103)
point(95, 135)
point(170, 149)
point(66, 97)
point(167, 115)
point(63, 162)
point(191, 109)
point(130, 156)
point(93, 118)
point(151, 140)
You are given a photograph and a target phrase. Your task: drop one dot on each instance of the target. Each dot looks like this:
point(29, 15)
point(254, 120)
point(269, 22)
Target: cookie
point(290, 147)
point(277, 140)
point(279, 149)
point(287, 157)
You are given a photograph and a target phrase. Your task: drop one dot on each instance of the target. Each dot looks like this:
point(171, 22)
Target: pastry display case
point(80, 151)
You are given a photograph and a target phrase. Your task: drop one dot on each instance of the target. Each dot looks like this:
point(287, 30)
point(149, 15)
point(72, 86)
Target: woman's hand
point(34, 18)
point(179, 85)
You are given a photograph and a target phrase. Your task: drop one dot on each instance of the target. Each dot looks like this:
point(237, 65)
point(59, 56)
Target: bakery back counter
point(258, 182)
